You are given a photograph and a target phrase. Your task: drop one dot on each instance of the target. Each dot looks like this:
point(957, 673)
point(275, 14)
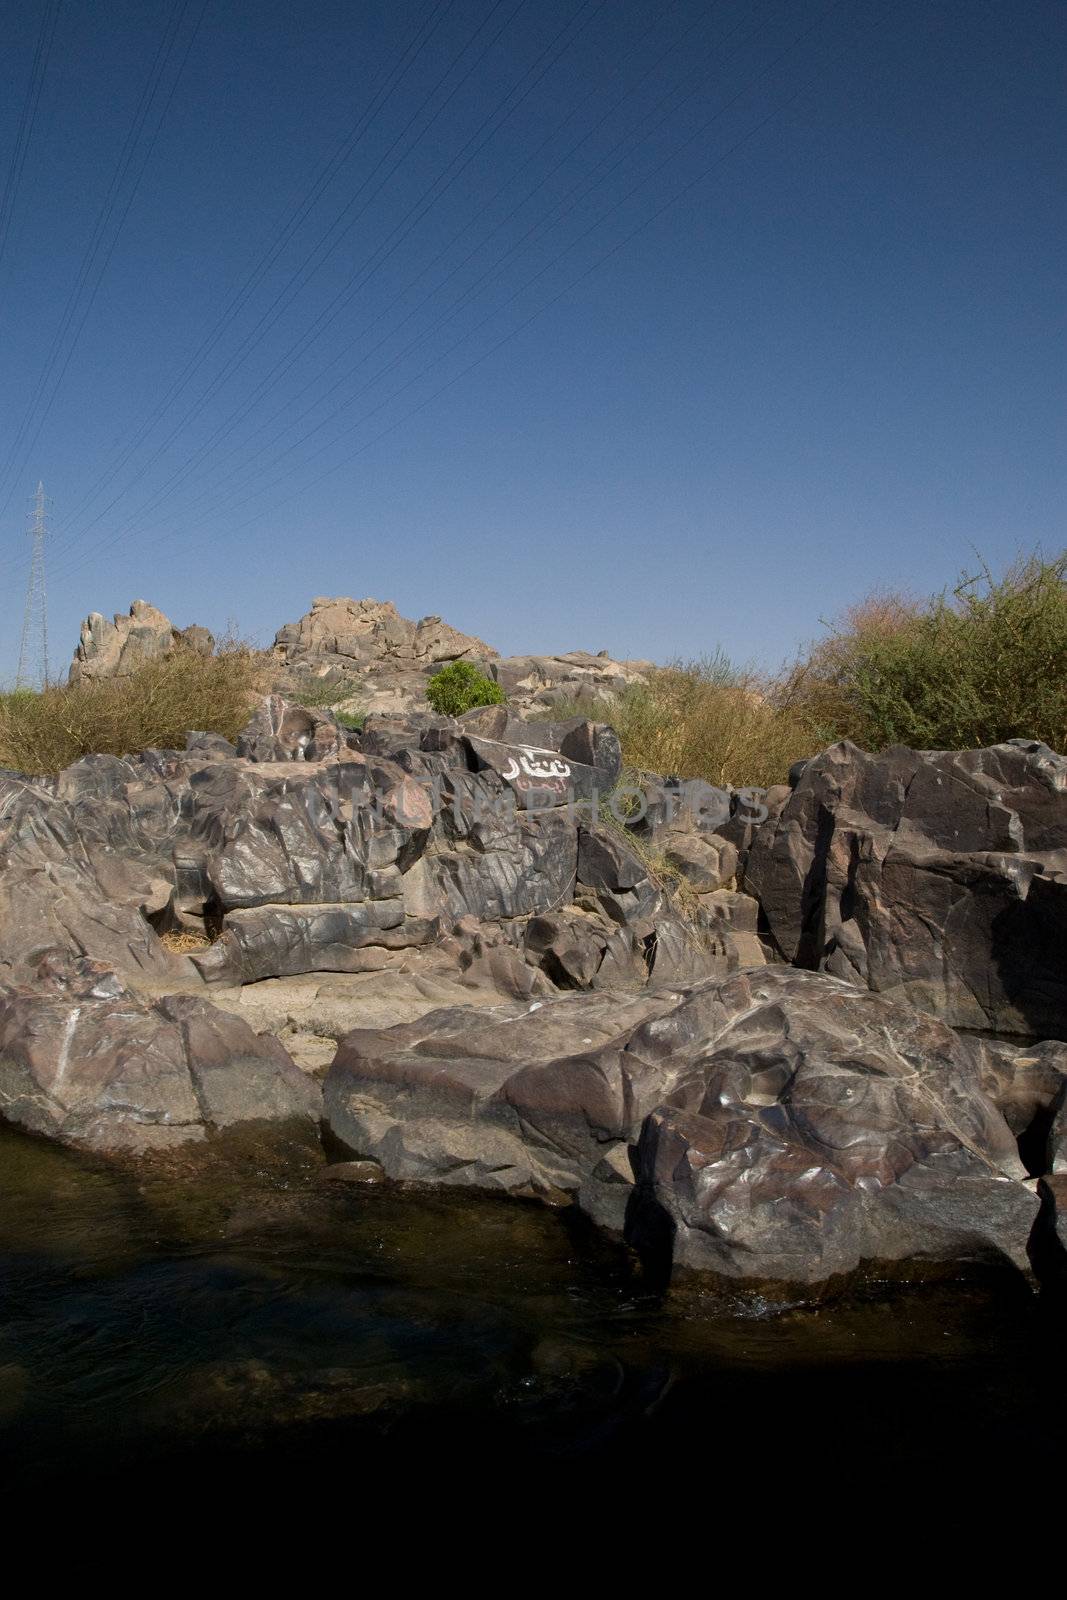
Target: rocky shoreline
point(434, 945)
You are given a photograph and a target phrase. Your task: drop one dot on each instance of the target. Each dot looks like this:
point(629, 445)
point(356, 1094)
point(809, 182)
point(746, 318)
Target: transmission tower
point(35, 618)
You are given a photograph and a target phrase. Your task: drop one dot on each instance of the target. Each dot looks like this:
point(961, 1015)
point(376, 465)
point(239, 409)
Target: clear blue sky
point(826, 356)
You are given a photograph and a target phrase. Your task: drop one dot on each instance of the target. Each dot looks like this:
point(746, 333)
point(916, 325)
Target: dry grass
point(983, 663)
point(180, 943)
point(708, 719)
point(819, 683)
point(41, 733)
point(667, 877)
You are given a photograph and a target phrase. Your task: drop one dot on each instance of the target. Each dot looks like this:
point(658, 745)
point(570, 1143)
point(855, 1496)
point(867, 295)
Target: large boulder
point(116, 649)
point(781, 1126)
point(519, 1099)
point(84, 1061)
point(819, 1129)
point(937, 877)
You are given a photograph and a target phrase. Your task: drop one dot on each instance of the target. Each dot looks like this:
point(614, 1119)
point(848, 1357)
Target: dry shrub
point(708, 719)
point(983, 663)
point(818, 686)
point(41, 733)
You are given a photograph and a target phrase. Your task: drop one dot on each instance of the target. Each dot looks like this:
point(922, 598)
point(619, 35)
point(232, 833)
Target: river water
point(236, 1314)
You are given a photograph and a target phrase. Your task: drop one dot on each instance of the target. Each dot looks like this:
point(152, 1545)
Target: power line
point(582, 189)
point(27, 119)
point(577, 195)
point(294, 220)
point(35, 616)
point(98, 237)
point(295, 285)
point(465, 228)
point(366, 269)
point(190, 464)
point(594, 266)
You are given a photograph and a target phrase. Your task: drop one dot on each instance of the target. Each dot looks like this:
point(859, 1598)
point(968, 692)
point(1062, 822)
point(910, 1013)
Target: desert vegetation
point(981, 663)
point(461, 687)
point(43, 731)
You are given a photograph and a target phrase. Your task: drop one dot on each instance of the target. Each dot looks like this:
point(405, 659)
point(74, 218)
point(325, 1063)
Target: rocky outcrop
point(279, 731)
point(305, 852)
point(364, 657)
point(374, 660)
point(536, 685)
point(116, 649)
point(508, 996)
point(776, 1126)
point(365, 651)
point(937, 877)
point(296, 852)
point(370, 631)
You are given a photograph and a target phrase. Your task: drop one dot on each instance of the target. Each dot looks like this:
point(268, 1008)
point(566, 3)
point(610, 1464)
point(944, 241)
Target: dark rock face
point(625, 1048)
point(52, 896)
point(937, 877)
point(1026, 1082)
point(279, 731)
point(295, 852)
point(819, 1129)
point(1056, 1159)
point(301, 852)
point(84, 1061)
point(780, 1125)
point(1049, 1246)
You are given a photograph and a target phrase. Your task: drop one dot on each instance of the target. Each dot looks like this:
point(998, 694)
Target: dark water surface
point(240, 1316)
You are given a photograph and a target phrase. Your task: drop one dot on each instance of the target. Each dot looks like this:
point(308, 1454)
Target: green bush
point(460, 687)
point(984, 663)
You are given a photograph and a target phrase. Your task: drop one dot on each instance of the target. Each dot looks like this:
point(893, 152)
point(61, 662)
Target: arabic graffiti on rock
point(528, 771)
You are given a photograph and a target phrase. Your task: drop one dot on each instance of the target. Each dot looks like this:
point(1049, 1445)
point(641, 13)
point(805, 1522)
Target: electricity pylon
point(35, 617)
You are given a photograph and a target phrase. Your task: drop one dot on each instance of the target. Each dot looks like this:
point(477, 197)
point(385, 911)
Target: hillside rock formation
point(363, 657)
point(116, 649)
point(380, 662)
